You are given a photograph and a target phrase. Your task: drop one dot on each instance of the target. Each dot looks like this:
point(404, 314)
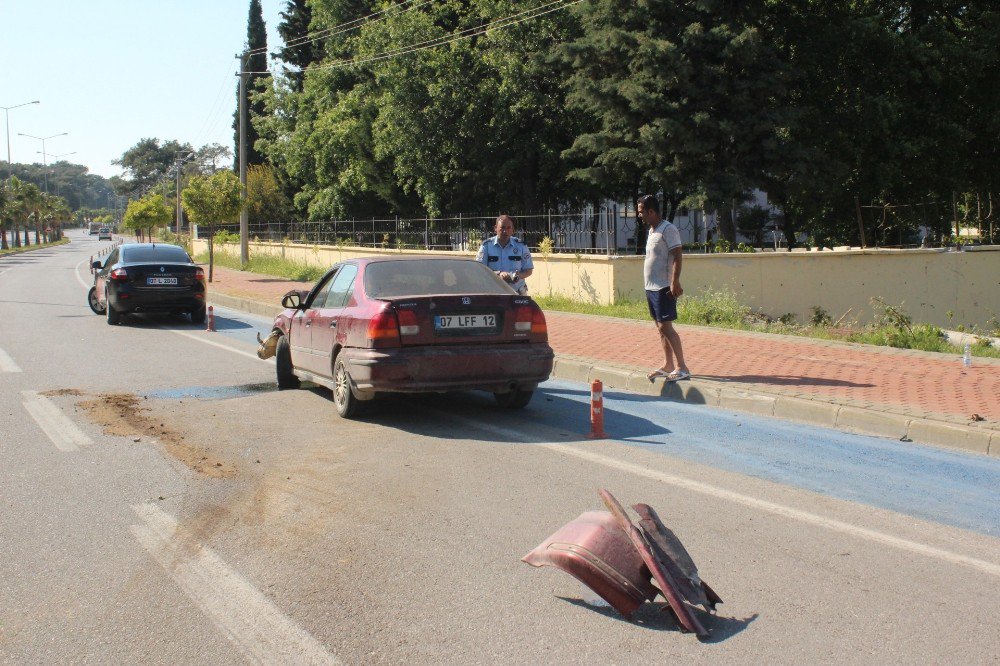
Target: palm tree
point(4, 199)
point(17, 190)
point(58, 212)
point(32, 206)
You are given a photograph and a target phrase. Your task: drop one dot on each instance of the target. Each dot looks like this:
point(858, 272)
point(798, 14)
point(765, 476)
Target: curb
point(897, 423)
point(242, 304)
point(804, 408)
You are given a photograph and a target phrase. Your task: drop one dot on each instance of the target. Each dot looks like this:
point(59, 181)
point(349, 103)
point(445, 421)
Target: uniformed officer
point(507, 256)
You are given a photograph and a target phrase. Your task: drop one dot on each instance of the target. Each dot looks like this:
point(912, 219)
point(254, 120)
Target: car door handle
point(333, 324)
point(309, 322)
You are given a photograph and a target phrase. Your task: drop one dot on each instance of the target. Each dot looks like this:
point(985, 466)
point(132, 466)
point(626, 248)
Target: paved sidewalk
point(909, 395)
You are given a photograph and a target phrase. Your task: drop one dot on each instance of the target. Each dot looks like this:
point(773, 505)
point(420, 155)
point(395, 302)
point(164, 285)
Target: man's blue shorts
point(662, 306)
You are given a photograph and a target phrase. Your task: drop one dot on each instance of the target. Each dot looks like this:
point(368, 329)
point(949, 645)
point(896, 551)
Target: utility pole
point(180, 216)
point(178, 161)
point(244, 214)
point(861, 221)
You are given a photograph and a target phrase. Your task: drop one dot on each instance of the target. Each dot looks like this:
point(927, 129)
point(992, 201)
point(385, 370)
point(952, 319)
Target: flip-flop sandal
point(658, 373)
point(677, 375)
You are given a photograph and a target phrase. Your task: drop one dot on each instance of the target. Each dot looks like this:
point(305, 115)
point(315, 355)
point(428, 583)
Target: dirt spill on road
point(122, 414)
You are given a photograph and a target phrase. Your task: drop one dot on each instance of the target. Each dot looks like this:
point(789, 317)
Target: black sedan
point(148, 277)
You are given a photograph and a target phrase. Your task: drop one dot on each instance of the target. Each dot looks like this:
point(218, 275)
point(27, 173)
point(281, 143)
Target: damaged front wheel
point(283, 363)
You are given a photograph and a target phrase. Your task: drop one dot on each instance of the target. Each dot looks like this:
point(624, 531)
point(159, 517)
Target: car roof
point(379, 259)
point(149, 246)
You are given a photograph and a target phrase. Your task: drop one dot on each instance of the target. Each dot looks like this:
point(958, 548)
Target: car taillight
point(530, 318)
point(538, 325)
point(407, 322)
point(118, 274)
point(523, 318)
point(199, 274)
point(383, 329)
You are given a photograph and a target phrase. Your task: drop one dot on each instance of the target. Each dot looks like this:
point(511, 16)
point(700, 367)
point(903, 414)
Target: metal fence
point(605, 230)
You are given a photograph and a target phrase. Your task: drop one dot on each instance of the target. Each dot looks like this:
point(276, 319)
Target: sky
point(112, 72)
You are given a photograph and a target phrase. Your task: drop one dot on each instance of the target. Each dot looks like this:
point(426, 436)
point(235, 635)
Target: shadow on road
point(651, 616)
point(550, 417)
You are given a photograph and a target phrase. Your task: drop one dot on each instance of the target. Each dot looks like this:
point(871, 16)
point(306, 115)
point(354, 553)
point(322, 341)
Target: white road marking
point(202, 338)
point(63, 432)
point(76, 272)
point(247, 617)
point(746, 500)
point(7, 364)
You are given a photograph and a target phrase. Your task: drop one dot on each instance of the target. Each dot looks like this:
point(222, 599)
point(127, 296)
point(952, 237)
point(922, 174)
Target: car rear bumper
point(133, 300)
point(452, 367)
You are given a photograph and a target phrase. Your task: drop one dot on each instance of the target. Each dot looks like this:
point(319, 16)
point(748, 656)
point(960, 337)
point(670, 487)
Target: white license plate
point(450, 322)
point(170, 280)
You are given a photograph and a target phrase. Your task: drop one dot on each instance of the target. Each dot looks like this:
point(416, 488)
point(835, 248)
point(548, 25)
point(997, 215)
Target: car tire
point(94, 301)
point(198, 316)
point(114, 317)
point(516, 399)
point(348, 406)
point(283, 364)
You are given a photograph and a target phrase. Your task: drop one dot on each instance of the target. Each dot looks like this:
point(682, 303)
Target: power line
point(347, 26)
point(467, 33)
point(481, 29)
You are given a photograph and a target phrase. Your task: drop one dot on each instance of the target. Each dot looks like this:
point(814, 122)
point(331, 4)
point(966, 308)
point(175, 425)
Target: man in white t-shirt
point(662, 275)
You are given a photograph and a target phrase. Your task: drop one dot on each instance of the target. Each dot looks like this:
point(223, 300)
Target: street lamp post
point(6, 116)
point(43, 140)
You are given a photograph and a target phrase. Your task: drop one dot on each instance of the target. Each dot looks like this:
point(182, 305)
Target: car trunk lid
point(161, 276)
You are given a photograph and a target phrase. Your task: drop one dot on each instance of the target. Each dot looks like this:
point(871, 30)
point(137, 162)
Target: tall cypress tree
point(297, 53)
point(256, 63)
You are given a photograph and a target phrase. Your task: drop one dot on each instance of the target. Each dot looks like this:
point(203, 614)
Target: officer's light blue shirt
point(514, 257)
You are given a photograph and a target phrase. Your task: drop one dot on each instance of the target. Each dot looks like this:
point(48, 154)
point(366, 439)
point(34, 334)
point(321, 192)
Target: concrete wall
point(927, 283)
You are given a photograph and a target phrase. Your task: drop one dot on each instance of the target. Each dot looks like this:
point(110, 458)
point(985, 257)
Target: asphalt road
point(161, 502)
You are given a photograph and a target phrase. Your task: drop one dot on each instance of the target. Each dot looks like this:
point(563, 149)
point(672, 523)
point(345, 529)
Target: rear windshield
point(155, 254)
point(423, 277)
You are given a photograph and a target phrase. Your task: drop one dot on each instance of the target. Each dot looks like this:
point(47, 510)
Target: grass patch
point(18, 250)
point(268, 265)
point(722, 309)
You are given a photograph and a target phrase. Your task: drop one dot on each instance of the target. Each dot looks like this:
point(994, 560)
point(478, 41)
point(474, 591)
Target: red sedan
point(395, 324)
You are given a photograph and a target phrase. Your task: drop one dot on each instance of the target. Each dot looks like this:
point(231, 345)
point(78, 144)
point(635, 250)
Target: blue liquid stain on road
point(949, 487)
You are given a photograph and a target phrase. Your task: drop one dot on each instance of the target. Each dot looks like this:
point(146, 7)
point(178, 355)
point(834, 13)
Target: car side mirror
point(97, 264)
point(294, 300)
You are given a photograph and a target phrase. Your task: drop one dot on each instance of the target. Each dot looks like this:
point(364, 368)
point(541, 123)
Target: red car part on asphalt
point(615, 559)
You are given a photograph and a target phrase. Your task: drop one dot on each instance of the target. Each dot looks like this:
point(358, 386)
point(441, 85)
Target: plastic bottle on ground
point(967, 356)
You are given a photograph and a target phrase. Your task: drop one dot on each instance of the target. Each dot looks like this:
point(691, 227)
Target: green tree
point(257, 81)
point(297, 52)
point(23, 200)
point(266, 200)
point(210, 200)
point(4, 213)
point(146, 163)
point(687, 96)
point(146, 214)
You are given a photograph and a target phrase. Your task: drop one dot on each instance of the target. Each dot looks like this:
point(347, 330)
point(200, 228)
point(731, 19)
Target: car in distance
point(148, 277)
point(398, 324)
point(104, 234)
